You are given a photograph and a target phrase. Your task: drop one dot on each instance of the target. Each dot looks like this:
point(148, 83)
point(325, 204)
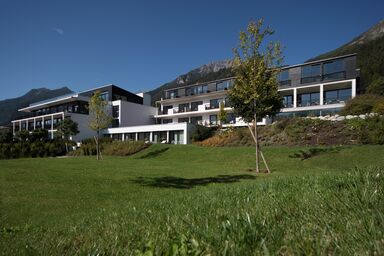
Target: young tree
point(67, 128)
point(255, 94)
point(99, 117)
point(222, 116)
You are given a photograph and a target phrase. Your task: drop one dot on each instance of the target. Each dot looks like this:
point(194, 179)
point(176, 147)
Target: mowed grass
point(193, 200)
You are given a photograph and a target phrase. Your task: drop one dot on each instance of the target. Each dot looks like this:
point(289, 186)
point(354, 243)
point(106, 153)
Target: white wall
point(135, 114)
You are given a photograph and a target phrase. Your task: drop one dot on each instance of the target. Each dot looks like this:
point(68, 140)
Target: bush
point(201, 133)
point(361, 104)
point(369, 130)
point(124, 148)
point(32, 149)
point(376, 86)
point(379, 108)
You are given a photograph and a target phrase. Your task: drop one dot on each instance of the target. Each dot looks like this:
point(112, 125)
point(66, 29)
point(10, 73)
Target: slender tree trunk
point(256, 147)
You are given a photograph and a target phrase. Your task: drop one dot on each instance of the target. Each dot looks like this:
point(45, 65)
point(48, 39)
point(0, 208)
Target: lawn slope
point(169, 199)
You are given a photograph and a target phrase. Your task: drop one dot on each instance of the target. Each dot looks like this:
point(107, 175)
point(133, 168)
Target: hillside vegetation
point(305, 131)
point(189, 200)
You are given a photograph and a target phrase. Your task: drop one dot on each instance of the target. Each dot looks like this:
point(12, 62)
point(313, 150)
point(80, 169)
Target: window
point(195, 105)
point(172, 94)
point(337, 96)
point(115, 122)
point(231, 118)
point(117, 136)
point(225, 85)
point(288, 101)
point(130, 136)
point(308, 99)
point(215, 103)
point(196, 119)
point(196, 90)
point(183, 120)
point(167, 121)
point(213, 119)
point(333, 70)
point(310, 73)
point(105, 95)
point(283, 78)
point(166, 108)
point(183, 107)
point(115, 111)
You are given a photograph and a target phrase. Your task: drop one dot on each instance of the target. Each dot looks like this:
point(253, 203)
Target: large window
point(288, 101)
point(337, 96)
point(183, 107)
point(196, 90)
point(105, 95)
point(167, 121)
point(215, 103)
point(283, 77)
point(308, 99)
point(310, 74)
point(224, 85)
point(172, 94)
point(195, 105)
point(333, 70)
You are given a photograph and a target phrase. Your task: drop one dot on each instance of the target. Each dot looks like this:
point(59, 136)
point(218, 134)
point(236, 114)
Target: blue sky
point(139, 45)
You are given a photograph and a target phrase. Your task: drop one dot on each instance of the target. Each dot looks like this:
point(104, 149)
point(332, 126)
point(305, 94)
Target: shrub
point(124, 148)
point(376, 86)
point(201, 133)
point(369, 130)
point(379, 107)
point(361, 104)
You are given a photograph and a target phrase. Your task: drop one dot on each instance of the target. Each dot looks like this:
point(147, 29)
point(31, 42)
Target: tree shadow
point(314, 152)
point(154, 154)
point(183, 183)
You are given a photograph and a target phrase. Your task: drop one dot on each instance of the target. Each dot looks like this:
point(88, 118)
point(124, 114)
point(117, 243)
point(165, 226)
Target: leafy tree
point(6, 136)
point(376, 86)
point(39, 135)
point(23, 135)
point(222, 116)
point(66, 128)
point(99, 117)
point(255, 94)
point(361, 104)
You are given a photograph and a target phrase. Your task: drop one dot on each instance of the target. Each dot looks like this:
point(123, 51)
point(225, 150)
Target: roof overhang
point(54, 102)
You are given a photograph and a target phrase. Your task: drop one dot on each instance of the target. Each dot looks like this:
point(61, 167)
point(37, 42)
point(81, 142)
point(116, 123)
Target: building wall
point(135, 114)
point(83, 126)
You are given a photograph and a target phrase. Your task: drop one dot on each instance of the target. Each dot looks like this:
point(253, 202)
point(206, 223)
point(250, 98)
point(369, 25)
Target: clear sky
point(139, 45)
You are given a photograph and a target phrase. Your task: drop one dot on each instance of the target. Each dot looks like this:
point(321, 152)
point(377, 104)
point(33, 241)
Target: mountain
point(9, 108)
point(369, 47)
point(208, 72)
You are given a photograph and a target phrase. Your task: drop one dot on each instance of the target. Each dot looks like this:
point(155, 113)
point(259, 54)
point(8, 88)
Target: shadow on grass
point(154, 154)
point(183, 183)
point(314, 152)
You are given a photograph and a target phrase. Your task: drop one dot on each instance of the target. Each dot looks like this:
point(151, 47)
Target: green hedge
point(32, 149)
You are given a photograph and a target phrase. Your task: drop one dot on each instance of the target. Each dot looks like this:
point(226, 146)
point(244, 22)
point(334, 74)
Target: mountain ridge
point(9, 107)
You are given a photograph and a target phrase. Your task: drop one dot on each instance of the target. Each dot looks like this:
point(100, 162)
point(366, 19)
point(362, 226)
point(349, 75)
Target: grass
point(194, 200)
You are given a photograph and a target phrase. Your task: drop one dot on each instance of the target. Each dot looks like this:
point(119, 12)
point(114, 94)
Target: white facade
point(158, 133)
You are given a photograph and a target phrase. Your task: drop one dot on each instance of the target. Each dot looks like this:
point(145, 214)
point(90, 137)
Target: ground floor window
point(159, 137)
point(308, 99)
point(337, 96)
point(144, 136)
point(117, 136)
point(130, 136)
point(176, 137)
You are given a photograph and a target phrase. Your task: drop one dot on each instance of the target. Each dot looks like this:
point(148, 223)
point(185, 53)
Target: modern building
point(313, 88)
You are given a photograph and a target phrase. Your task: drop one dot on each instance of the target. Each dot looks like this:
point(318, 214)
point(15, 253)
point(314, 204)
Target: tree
point(222, 116)
point(66, 128)
point(39, 134)
point(99, 117)
point(255, 91)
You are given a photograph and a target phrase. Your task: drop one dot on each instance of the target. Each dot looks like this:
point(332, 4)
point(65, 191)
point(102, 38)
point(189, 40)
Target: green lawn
point(169, 199)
